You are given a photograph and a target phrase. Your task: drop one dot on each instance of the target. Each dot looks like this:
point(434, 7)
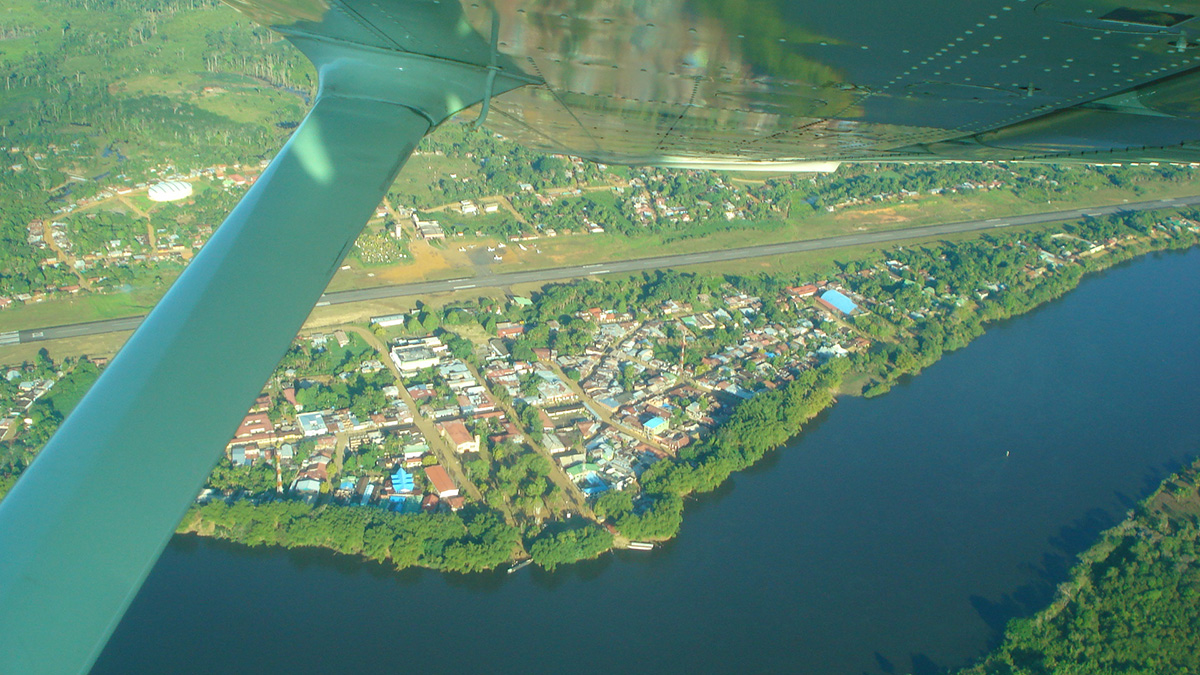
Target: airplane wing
point(796, 84)
point(804, 84)
point(85, 523)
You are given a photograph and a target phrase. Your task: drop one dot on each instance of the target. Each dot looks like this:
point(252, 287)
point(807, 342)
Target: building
point(309, 485)
point(508, 329)
point(440, 480)
point(835, 300)
point(804, 291)
point(254, 425)
point(411, 358)
point(427, 229)
point(169, 191)
point(459, 437)
point(655, 425)
point(402, 481)
point(389, 320)
point(312, 424)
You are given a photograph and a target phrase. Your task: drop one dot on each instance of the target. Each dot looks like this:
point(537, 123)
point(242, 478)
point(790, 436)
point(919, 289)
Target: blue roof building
point(402, 481)
point(839, 302)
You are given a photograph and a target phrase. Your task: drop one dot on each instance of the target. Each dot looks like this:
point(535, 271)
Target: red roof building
point(255, 424)
point(441, 482)
point(459, 437)
point(804, 291)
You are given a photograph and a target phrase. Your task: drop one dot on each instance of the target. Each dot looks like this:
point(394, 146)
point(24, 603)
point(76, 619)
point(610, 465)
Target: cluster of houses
point(52, 236)
point(415, 481)
point(28, 390)
point(638, 393)
point(965, 186)
point(467, 207)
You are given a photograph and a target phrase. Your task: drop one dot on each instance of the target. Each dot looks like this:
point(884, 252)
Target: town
point(540, 417)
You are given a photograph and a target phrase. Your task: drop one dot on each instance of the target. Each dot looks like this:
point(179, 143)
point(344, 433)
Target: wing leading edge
point(85, 524)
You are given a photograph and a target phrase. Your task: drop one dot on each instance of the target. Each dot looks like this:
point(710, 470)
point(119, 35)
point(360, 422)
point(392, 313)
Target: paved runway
point(638, 265)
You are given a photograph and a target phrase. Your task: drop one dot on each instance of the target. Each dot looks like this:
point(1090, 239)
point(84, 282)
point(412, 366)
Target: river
point(896, 534)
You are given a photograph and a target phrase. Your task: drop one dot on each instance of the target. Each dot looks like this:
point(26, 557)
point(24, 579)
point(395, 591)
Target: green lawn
point(79, 309)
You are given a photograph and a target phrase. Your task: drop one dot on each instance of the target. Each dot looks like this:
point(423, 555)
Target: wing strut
point(85, 524)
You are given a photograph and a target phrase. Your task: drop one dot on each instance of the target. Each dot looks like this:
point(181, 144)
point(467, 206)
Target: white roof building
point(170, 191)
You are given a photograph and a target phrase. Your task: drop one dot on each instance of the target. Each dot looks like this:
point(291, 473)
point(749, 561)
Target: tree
point(523, 352)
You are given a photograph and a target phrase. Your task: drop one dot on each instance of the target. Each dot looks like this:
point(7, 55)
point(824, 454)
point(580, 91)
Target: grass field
point(79, 309)
point(583, 249)
point(92, 345)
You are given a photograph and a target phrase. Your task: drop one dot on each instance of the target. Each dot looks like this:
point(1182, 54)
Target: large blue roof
point(842, 303)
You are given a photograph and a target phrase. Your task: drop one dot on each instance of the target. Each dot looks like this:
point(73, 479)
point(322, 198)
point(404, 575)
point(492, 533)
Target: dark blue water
point(896, 534)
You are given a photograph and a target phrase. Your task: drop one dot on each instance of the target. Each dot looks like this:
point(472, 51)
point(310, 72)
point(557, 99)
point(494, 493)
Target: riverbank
point(1130, 602)
point(758, 426)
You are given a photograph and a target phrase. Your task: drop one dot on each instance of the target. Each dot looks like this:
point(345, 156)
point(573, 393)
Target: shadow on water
point(1053, 568)
point(1072, 539)
point(884, 665)
point(586, 570)
point(923, 665)
point(302, 559)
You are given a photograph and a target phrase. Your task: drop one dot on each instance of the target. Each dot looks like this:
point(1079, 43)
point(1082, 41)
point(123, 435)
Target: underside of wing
point(757, 83)
point(87, 520)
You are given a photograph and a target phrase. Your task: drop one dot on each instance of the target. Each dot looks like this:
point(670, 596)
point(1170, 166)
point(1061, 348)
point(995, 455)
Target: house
point(309, 485)
point(553, 444)
point(508, 329)
point(261, 404)
point(441, 482)
point(402, 481)
point(456, 432)
point(498, 348)
point(255, 428)
point(655, 425)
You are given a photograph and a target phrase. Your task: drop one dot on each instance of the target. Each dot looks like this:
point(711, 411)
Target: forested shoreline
point(1131, 604)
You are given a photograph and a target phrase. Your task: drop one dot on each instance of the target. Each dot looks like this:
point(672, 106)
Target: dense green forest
point(1131, 605)
point(470, 540)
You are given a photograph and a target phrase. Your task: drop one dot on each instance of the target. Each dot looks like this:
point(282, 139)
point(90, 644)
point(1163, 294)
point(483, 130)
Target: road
point(445, 454)
point(641, 264)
